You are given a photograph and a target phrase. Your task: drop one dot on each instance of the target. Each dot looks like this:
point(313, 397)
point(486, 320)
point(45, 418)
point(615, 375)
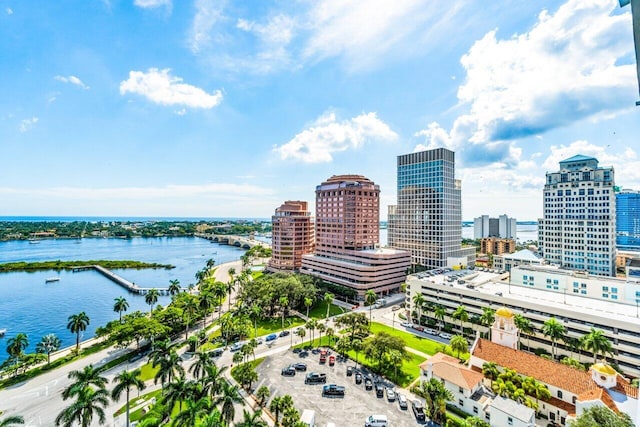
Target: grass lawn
point(253, 363)
point(147, 372)
point(133, 401)
point(406, 374)
point(425, 345)
point(320, 311)
point(271, 325)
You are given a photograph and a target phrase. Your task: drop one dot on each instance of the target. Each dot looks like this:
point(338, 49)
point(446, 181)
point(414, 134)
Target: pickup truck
point(333, 390)
point(315, 378)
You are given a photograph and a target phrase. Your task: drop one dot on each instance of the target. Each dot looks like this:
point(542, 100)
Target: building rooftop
point(549, 372)
point(577, 158)
point(524, 255)
point(513, 408)
point(449, 368)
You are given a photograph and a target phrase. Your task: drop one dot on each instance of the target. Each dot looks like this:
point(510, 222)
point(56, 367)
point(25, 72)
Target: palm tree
point(13, 420)
point(254, 314)
point(301, 333)
point(48, 345)
point(151, 298)
point(418, 301)
point(195, 409)
point(189, 309)
point(230, 288)
point(86, 378)
point(437, 396)
point(213, 419)
point(159, 350)
point(284, 303)
point(199, 367)
point(459, 343)
point(213, 379)
point(17, 345)
point(524, 325)
point(263, 394)
point(120, 305)
point(276, 407)
point(439, 314)
point(330, 334)
point(461, 315)
point(596, 342)
point(555, 331)
point(78, 323)
point(219, 291)
point(178, 391)
point(125, 381)
point(170, 367)
point(308, 302)
point(252, 419)
point(488, 317)
point(321, 328)
point(88, 403)
point(328, 299)
point(370, 298)
point(490, 370)
point(174, 287)
point(311, 325)
point(206, 303)
point(229, 396)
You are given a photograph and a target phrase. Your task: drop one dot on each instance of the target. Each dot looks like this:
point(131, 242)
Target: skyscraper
point(628, 220)
point(427, 221)
point(578, 230)
point(292, 236)
point(503, 226)
point(347, 229)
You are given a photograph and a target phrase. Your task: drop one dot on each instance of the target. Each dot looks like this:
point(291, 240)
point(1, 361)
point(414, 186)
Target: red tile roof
point(449, 369)
point(624, 386)
point(549, 372)
point(599, 394)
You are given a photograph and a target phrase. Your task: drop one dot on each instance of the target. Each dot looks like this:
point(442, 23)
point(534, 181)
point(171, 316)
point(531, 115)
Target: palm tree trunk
point(127, 424)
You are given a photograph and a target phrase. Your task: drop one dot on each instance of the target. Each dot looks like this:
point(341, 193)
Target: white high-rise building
point(503, 227)
point(578, 231)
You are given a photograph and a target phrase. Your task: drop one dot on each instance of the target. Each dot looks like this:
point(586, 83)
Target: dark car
point(303, 354)
point(289, 371)
point(418, 410)
point(217, 352)
point(297, 350)
point(315, 378)
point(358, 378)
point(300, 366)
point(349, 371)
point(284, 333)
point(368, 384)
point(379, 390)
point(333, 390)
point(271, 337)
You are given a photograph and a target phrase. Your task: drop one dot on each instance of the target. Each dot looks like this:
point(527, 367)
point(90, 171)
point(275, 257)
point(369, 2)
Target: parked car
point(332, 360)
point(333, 390)
point(358, 378)
point(402, 401)
point(216, 352)
point(284, 333)
point(289, 371)
point(300, 366)
point(259, 340)
point(391, 394)
point(406, 324)
point(368, 384)
point(315, 378)
point(376, 421)
point(445, 335)
point(379, 390)
point(236, 346)
point(349, 371)
point(271, 337)
point(418, 327)
point(431, 331)
point(418, 410)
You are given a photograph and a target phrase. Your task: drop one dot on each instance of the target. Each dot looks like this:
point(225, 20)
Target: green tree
point(459, 344)
point(206, 303)
point(436, 396)
point(189, 310)
point(151, 298)
point(555, 331)
point(219, 291)
point(48, 345)
point(418, 301)
point(78, 323)
point(178, 391)
point(229, 396)
point(193, 411)
point(301, 333)
point(488, 317)
point(174, 287)
point(490, 370)
point(370, 298)
point(199, 367)
point(17, 345)
point(461, 314)
point(246, 375)
point(600, 416)
point(89, 402)
point(439, 314)
point(170, 367)
point(312, 325)
point(86, 378)
point(255, 313)
point(308, 302)
point(125, 381)
point(524, 326)
point(328, 300)
point(120, 305)
point(263, 394)
point(596, 342)
point(284, 303)
point(213, 379)
point(276, 406)
point(252, 419)
point(11, 421)
point(213, 419)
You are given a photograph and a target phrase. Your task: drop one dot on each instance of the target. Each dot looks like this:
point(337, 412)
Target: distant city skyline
point(204, 108)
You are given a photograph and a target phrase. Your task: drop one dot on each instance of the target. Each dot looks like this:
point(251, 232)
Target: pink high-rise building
point(292, 236)
point(347, 251)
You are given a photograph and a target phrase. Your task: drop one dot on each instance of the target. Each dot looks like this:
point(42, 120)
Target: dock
point(130, 286)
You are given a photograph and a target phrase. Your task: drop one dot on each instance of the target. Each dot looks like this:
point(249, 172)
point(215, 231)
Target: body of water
point(29, 305)
point(525, 233)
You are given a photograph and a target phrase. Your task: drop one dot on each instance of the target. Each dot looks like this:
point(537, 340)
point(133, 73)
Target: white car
point(431, 331)
point(445, 335)
point(406, 324)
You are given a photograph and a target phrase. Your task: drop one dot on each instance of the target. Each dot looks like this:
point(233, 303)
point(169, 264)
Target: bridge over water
point(238, 241)
point(130, 286)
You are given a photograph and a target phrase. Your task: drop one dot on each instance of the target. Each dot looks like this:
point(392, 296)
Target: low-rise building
point(522, 257)
point(497, 246)
point(507, 412)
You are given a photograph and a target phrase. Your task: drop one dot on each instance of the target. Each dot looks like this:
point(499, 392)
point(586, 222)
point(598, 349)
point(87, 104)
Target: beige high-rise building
point(292, 236)
point(347, 227)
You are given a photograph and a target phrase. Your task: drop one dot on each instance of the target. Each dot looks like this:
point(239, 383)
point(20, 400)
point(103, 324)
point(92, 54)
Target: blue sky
point(221, 108)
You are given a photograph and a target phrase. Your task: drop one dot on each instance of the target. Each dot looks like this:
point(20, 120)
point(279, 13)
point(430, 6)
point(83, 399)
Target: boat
point(34, 242)
point(52, 279)
point(3, 331)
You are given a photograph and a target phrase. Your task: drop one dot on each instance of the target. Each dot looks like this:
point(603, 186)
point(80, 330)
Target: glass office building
point(628, 220)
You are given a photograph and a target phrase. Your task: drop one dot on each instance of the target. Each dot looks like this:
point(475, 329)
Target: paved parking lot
point(349, 411)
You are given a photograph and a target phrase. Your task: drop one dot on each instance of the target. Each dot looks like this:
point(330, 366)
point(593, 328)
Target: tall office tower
point(578, 231)
point(347, 229)
point(427, 221)
point(628, 220)
point(503, 227)
point(292, 236)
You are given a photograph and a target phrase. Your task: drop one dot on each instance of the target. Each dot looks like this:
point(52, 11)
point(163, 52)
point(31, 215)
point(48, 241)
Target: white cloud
point(72, 80)
point(9, 11)
point(566, 68)
point(150, 4)
point(161, 88)
point(208, 14)
point(327, 135)
point(27, 124)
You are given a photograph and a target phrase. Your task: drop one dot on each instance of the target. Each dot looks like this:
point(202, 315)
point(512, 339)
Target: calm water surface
point(31, 306)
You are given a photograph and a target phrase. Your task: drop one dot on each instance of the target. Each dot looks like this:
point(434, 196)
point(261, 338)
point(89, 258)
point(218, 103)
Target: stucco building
point(292, 236)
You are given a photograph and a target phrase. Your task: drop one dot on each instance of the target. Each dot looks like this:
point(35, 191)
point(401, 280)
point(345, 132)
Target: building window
point(583, 291)
point(460, 402)
point(605, 295)
point(475, 409)
point(605, 289)
point(559, 394)
point(614, 290)
point(460, 390)
point(510, 421)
